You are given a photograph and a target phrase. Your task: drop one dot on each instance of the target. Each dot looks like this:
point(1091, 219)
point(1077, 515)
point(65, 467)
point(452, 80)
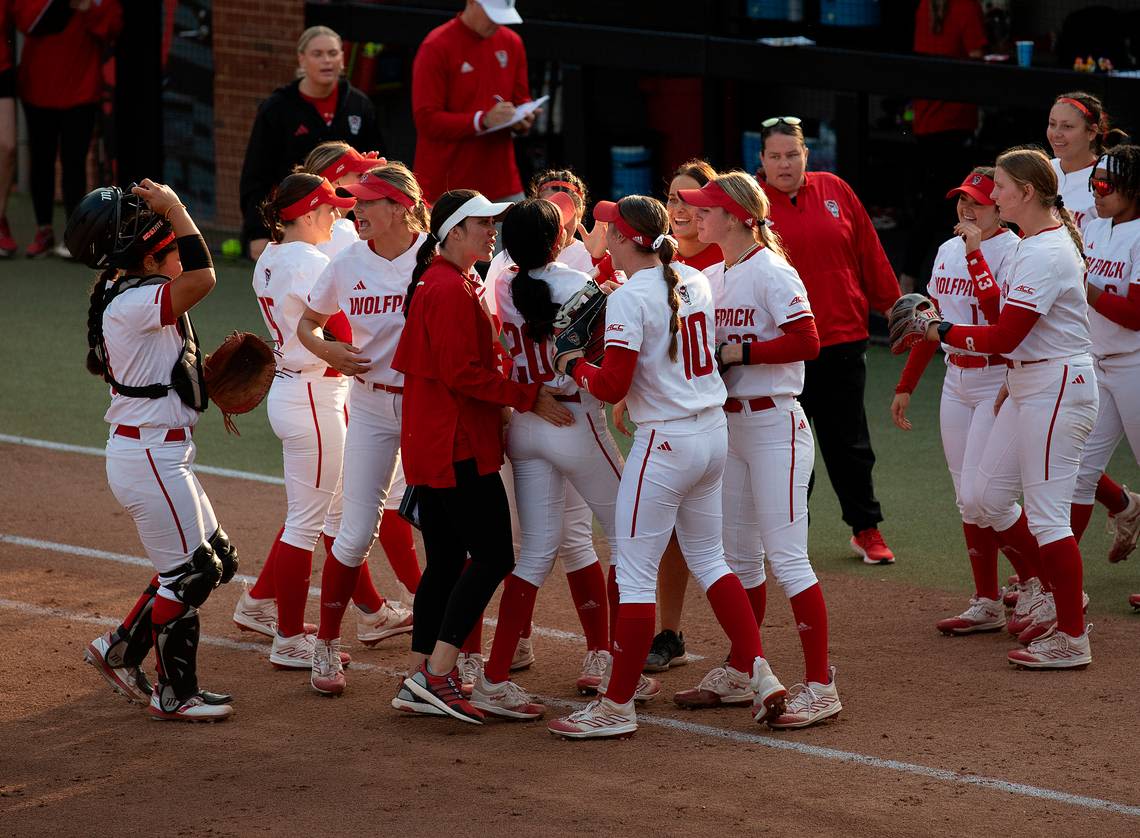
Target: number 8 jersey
point(637, 318)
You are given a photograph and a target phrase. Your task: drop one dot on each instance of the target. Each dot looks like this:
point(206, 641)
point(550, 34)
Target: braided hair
point(648, 216)
point(1030, 165)
point(531, 231)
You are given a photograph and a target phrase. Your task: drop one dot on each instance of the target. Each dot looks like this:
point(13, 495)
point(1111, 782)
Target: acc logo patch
point(799, 298)
point(1025, 289)
point(354, 122)
point(832, 207)
point(615, 327)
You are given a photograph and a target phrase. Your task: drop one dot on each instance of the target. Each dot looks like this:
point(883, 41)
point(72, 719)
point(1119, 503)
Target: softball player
point(367, 281)
point(1078, 133)
point(341, 165)
point(764, 331)
point(156, 267)
point(660, 328)
point(1112, 245)
point(968, 269)
point(1043, 332)
point(546, 459)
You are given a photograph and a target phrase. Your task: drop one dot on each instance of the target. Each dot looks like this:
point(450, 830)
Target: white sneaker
point(127, 681)
point(296, 652)
point(1126, 529)
point(259, 615)
point(194, 709)
point(61, 251)
point(600, 719)
point(722, 685)
point(507, 699)
point(1042, 619)
point(770, 693)
point(810, 703)
point(982, 615)
point(393, 618)
point(327, 671)
point(470, 666)
point(1055, 650)
point(524, 655)
point(1028, 601)
point(593, 671)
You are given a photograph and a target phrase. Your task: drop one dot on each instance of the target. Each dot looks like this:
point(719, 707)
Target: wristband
point(746, 352)
point(193, 253)
point(943, 329)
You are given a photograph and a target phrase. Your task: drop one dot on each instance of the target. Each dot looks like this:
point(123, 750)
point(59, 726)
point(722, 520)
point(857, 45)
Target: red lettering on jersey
point(375, 305)
point(736, 316)
point(1025, 289)
point(615, 327)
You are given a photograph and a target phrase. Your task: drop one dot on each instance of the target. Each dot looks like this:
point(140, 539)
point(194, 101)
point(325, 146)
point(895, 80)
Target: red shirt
point(830, 241)
point(326, 107)
point(453, 389)
point(64, 70)
point(963, 32)
point(5, 35)
point(456, 75)
point(702, 259)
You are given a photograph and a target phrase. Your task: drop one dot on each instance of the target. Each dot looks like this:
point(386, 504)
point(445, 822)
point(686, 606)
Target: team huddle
point(374, 318)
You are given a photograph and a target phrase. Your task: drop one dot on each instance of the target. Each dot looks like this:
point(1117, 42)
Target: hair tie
point(1058, 201)
point(660, 240)
point(766, 222)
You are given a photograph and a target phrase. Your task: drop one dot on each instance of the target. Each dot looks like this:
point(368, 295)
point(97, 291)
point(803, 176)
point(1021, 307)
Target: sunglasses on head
point(1103, 188)
point(772, 122)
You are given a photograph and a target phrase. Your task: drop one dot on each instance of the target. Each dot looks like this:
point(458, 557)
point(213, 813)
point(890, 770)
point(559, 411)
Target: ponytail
point(96, 362)
point(531, 231)
point(667, 253)
point(648, 217)
point(1070, 225)
point(292, 189)
point(424, 257)
point(447, 204)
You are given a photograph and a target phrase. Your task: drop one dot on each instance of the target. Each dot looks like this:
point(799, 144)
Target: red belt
point(328, 373)
point(760, 403)
point(573, 397)
point(387, 388)
point(131, 432)
point(973, 362)
point(1015, 364)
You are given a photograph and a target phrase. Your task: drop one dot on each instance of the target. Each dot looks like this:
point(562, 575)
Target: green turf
point(49, 395)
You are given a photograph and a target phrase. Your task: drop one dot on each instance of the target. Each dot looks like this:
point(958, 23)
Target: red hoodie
point(63, 70)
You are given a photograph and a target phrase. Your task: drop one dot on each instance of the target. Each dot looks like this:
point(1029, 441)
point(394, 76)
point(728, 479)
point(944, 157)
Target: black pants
point(944, 160)
point(833, 401)
point(472, 518)
point(66, 132)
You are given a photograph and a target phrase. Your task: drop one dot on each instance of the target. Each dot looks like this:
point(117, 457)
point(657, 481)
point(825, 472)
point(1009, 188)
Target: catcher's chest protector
point(187, 378)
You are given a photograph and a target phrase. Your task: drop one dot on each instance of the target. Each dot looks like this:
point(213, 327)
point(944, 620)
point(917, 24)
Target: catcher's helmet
point(111, 228)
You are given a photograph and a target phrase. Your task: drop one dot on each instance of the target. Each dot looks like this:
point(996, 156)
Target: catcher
point(155, 268)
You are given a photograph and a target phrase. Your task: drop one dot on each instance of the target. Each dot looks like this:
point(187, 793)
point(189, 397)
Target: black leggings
point(472, 518)
point(68, 132)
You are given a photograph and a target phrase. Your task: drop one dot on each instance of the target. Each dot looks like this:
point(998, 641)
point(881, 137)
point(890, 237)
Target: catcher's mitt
point(239, 374)
point(910, 317)
point(579, 327)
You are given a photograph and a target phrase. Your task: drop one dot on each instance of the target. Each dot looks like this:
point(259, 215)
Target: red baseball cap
point(565, 206)
point(608, 212)
point(977, 186)
point(712, 194)
point(351, 161)
point(323, 194)
point(371, 187)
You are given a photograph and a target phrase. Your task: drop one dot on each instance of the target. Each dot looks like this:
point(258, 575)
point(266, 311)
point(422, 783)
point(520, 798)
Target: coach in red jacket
point(831, 243)
point(468, 76)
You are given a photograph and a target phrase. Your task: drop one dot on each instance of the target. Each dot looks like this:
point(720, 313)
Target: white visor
point(477, 207)
point(501, 11)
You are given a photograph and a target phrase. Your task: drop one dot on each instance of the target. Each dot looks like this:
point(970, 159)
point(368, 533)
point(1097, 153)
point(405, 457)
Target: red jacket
point(6, 54)
point(453, 390)
point(456, 75)
point(830, 241)
point(65, 69)
point(963, 32)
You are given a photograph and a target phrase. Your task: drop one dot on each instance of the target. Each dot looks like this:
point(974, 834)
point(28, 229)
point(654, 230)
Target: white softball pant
point(576, 549)
point(1118, 382)
point(154, 481)
point(547, 462)
point(770, 458)
point(309, 416)
point(672, 479)
point(1046, 420)
point(371, 456)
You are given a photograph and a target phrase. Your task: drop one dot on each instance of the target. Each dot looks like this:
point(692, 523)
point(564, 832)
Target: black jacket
point(285, 130)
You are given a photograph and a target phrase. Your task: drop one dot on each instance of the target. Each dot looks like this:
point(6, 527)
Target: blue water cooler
point(631, 171)
point(849, 12)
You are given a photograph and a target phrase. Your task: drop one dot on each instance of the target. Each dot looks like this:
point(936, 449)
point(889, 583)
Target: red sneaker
point(870, 545)
point(444, 692)
point(8, 246)
point(42, 244)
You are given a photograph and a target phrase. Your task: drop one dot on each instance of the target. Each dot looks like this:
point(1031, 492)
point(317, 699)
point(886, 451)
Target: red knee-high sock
point(810, 612)
point(294, 569)
point(1079, 516)
point(734, 613)
point(588, 590)
point(364, 595)
point(515, 610)
point(396, 541)
point(1020, 547)
point(265, 586)
point(612, 596)
point(982, 546)
point(337, 583)
point(1063, 558)
point(140, 604)
point(632, 638)
point(758, 599)
point(1111, 494)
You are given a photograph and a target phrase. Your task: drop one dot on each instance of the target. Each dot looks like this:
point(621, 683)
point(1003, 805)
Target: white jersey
point(1113, 255)
point(532, 361)
point(1048, 277)
point(637, 318)
point(282, 280)
point(754, 298)
point(575, 256)
point(142, 350)
point(1074, 190)
point(370, 290)
point(343, 234)
point(951, 286)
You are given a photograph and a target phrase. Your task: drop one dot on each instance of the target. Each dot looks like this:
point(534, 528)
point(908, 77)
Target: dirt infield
point(928, 721)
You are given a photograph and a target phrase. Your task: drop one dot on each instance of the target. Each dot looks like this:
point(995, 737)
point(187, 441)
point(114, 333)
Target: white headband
point(476, 207)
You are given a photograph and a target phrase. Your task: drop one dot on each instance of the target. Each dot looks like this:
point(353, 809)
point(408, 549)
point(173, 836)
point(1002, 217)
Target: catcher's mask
point(114, 229)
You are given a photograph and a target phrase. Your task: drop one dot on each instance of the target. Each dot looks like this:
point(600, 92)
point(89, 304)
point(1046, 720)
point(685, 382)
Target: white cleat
point(393, 618)
point(599, 720)
point(296, 652)
point(770, 693)
point(1126, 529)
point(194, 709)
point(982, 615)
point(257, 615)
point(1055, 650)
point(327, 675)
point(507, 700)
point(810, 703)
point(593, 671)
point(127, 681)
point(524, 655)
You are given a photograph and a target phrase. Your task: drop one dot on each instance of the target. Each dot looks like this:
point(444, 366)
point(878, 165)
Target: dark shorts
point(8, 83)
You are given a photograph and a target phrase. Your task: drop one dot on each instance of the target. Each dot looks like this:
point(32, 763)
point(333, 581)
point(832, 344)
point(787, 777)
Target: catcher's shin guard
point(226, 553)
point(192, 582)
point(176, 649)
point(134, 638)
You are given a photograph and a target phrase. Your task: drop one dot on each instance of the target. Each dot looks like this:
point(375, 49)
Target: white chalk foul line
point(692, 728)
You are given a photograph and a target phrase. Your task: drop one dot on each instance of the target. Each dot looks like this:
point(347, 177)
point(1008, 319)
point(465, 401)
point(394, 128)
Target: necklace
point(743, 256)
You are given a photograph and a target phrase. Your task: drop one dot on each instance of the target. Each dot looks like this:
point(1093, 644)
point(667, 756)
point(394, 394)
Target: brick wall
point(255, 45)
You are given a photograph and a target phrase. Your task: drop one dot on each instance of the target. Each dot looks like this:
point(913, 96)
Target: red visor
point(373, 188)
point(560, 184)
point(978, 187)
point(323, 194)
point(351, 161)
point(712, 194)
point(565, 206)
point(608, 212)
